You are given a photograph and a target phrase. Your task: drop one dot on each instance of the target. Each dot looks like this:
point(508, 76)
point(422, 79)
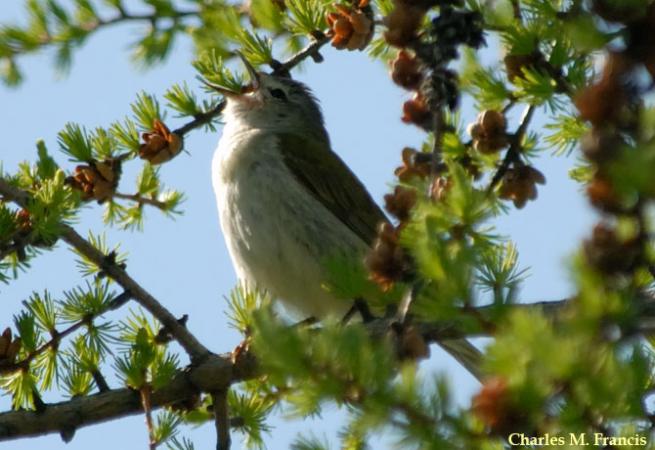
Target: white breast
point(278, 235)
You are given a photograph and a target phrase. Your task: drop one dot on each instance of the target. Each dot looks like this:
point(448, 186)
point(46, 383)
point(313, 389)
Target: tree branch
point(201, 119)
point(514, 150)
point(438, 125)
point(320, 39)
point(127, 17)
point(93, 26)
point(188, 341)
point(115, 303)
point(221, 419)
point(216, 373)
point(141, 200)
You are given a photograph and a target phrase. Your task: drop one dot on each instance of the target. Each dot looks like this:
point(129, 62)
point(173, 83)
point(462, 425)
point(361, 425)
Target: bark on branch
point(216, 373)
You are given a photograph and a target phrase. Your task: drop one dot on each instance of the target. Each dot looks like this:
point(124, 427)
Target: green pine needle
point(126, 135)
point(181, 99)
point(242, 303)
point(212, 68)
point(567, 130)
point(74, 142)
point(88, 267)
point(306, 16)
point(146, 110)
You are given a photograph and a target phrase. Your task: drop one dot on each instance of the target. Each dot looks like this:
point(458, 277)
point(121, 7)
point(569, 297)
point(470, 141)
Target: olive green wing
point(332, 183)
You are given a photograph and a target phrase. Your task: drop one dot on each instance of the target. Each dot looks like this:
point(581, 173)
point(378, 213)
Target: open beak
point(252, 73)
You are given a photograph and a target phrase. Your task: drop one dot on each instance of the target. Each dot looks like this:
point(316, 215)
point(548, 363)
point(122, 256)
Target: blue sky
point(184, 262)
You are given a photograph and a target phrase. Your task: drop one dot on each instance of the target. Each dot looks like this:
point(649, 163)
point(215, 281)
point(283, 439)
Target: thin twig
point(221, 420)
point(124, 17)
point(218, 372)
point(320, 40)
point(100, 380)
point(57, 336)
point(513, 152)
point(509, 105)
point(563, 85)
point(437, 133)
point(142, 200)
point(516, 10)
point(414, 415)
point(146, 403)
point(201, 119)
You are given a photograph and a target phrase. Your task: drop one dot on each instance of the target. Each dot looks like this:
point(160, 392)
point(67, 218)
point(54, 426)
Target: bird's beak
point(220, 89)
point(254, 75)
point(255, 82)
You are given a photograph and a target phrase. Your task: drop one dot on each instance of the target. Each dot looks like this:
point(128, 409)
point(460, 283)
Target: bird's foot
point(305, 322)
point(359, 307)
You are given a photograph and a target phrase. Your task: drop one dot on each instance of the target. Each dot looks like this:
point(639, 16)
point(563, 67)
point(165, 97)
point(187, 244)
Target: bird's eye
point(278, 93)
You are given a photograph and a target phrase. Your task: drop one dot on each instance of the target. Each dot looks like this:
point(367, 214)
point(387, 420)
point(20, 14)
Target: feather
point(332, 183)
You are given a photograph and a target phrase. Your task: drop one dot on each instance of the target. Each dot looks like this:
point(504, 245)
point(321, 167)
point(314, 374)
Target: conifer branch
point(196, 350)
point(201, 119)
point(123, 16)
point(188, 341)
point(308, 52)
point(215, 373)
point(140, 199)
point(57, 336)
point(513, 153)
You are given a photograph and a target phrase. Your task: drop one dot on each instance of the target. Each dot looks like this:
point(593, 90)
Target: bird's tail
point(466, 354)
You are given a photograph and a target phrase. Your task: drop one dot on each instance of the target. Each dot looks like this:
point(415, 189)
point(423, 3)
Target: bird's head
point(274, 102)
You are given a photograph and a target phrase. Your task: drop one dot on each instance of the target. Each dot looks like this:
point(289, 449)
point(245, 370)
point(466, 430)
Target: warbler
point(287, 203)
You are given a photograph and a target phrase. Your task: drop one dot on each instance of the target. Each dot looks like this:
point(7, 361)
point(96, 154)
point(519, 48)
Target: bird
point(288, 203)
